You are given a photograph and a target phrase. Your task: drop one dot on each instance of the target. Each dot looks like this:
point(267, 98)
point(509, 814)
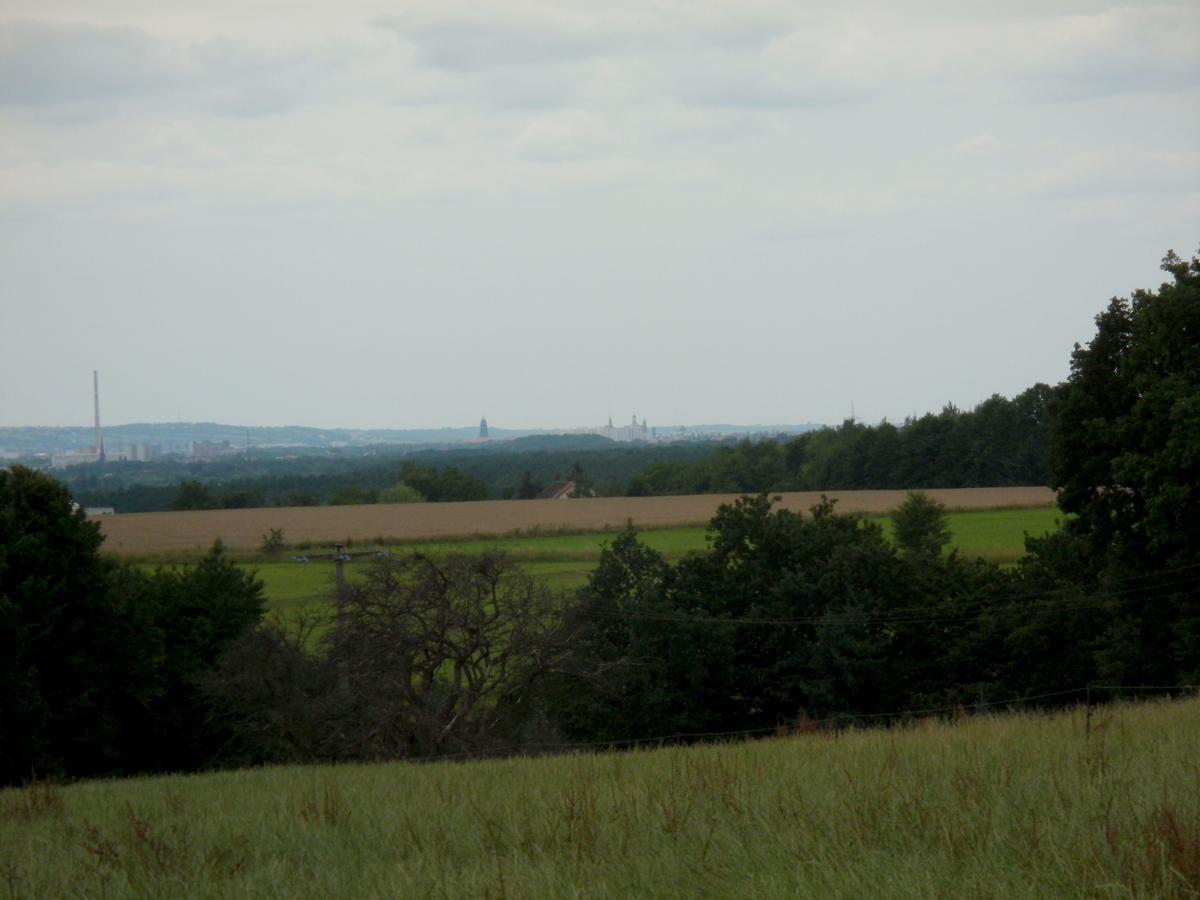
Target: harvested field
point(243, 529)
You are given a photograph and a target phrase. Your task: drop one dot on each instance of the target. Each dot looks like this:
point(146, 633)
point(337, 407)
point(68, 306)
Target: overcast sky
point(410, 214)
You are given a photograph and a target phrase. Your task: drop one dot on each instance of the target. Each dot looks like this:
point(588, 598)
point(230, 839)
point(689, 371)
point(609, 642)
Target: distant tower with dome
point(483, 434)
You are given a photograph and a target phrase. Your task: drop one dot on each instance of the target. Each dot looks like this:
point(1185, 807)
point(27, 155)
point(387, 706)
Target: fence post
point(343, 665)
point(1087, 717)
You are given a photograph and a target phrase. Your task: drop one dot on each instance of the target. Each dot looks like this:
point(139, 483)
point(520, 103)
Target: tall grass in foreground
point(995, 806)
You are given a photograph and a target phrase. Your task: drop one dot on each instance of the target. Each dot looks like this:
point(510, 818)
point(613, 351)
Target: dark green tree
point(921, 526)
point(194, 495)
point(99, 662)
point(527, 488)
point(401, 493)
point(1125, 458)
point(62, 647)
point(183, 620)
point(353, 495)
point(784, 613)
point(1125, 455)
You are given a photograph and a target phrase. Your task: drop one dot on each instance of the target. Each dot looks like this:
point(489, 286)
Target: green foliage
point(784, 614)
point(999, 443)
point(482, 472)
point(98, 661)
point(1126, 450)
point(194, 495)
point(568, 560)
point(242, 500)
point(1126, 461)
point(186, 619)
point(527, 488)
point(767, 623)
point(920, 526)
point(272, 543)
point(62, 651)
point(353, 495)
point(401, 493)
point(442, 485)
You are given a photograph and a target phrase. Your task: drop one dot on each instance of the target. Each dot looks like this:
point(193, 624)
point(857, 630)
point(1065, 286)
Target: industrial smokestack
point(99, 447)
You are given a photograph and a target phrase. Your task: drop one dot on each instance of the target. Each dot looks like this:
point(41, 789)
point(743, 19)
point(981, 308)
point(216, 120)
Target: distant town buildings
point(134, 453)
point(634, 431)
point(76, 458)
point(206, 450)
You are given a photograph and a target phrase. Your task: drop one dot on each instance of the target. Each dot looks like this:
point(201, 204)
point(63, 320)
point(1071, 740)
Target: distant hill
point(728, 429)
point(179, 436)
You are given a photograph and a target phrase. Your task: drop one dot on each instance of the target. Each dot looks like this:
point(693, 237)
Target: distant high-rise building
point(483, 434)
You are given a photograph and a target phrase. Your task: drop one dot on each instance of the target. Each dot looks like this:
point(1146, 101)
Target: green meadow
point(565, 561)
point(992, 806)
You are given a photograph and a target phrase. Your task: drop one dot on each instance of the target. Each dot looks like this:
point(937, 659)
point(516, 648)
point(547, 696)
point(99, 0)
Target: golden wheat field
point(150, 533)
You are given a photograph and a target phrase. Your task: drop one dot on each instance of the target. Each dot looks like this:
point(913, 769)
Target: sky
point(409, 214)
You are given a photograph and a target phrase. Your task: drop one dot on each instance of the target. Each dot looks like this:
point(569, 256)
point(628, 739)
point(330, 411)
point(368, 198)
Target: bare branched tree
point(438, 655)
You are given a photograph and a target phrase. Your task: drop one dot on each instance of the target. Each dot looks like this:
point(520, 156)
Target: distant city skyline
point(374, 215)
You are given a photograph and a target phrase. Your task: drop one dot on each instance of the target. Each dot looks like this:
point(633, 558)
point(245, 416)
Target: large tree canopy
point(1125, 453)
point(56, 662)
point(1125, 457)
point(99, 661)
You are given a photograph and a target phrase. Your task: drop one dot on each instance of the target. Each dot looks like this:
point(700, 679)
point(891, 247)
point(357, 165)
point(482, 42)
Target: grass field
point(1000, 806)
point(169, 533)
point(566, 560)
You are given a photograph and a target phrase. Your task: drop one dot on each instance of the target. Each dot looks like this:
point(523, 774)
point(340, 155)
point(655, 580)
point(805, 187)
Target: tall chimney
point(99, 447)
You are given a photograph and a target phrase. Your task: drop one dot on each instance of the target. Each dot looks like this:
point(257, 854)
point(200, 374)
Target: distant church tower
point(483, 435)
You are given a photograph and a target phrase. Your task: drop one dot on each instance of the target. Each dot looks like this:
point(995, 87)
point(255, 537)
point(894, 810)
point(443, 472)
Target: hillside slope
point(993, 806)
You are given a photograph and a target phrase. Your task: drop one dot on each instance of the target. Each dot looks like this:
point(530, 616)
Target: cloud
point(709, 54)
point(44, 64)
point(97, 70)
point(1106, 172)
point(459, 35)
point(455, 39)
point(976, 145)
point(565, 134)
point(1123, 50)
point(178, 143)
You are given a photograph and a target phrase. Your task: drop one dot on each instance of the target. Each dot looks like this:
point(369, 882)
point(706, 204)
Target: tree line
point(783, 620)
point(1001, 442)
point(444, 475)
